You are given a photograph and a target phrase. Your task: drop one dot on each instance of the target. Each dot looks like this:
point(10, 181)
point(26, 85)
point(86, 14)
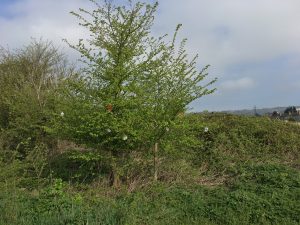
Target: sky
point(253, 46)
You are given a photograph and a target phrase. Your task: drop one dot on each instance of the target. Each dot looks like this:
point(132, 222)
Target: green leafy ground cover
point(244, 170)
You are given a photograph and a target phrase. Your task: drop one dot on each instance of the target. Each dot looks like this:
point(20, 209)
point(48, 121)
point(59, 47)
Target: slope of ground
point(224, 169)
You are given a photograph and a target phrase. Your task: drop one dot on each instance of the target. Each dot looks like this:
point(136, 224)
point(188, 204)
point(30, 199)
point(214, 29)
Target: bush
point(231, 139)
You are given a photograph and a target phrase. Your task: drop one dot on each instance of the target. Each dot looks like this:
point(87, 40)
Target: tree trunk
point(155, 150)
point(115, 178)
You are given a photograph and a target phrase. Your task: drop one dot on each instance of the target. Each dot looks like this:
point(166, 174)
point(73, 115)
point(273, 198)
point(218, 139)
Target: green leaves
point(146, 81)
point(29, 78)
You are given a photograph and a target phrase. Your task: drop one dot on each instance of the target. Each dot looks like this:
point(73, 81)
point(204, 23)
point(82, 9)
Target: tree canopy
point(134, 85)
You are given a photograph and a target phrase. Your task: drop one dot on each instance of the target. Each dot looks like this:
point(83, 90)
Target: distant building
point(291, 111)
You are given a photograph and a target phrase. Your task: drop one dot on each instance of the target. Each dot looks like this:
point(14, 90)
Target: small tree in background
point(133, 86)
point(29, 78)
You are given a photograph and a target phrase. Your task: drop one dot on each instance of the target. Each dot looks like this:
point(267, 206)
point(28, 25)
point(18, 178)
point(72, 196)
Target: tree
point(134, 85)
point(29, 78)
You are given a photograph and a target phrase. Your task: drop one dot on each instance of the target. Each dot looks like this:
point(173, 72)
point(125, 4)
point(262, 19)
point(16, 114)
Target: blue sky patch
point(6, 10)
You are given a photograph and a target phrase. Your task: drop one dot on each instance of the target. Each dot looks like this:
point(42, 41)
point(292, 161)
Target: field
point(243, 170)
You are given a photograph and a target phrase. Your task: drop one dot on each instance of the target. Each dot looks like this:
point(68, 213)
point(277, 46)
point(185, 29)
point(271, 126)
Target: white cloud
point(227, 34)
point(222, 32)
point(49, 19)
point(235, 31)
point(237, 85)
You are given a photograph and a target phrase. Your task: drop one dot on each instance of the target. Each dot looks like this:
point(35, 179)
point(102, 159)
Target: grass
point(259, 194)
point(243, 171)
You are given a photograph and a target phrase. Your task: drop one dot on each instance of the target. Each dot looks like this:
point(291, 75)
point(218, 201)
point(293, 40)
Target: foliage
point(80, 167)
point(215, 168)
point(260, 184)
point(28, 80)
point(261, 194)
point(134, 84)
point(231, 138)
